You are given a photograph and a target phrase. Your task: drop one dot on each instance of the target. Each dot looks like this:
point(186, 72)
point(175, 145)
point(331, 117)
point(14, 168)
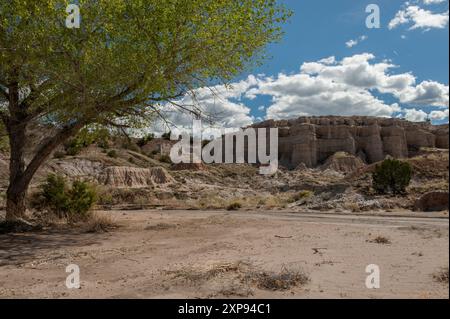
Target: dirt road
point(207, 254)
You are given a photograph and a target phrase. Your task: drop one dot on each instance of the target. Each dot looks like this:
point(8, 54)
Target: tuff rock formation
point(343, 162)
point(134, 177)
point(312, 140)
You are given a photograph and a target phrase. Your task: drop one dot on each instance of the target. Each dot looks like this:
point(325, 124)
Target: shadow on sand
point(20, 248)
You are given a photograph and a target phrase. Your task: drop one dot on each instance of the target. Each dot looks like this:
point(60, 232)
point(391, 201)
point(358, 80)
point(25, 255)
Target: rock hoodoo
point(343, 162)
point(312, 140)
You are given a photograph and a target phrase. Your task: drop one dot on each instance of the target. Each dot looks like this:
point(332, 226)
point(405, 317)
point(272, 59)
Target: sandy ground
point(210, 254)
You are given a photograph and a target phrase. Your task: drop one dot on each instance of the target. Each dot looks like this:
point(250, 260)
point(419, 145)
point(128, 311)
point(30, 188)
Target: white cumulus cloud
point(439, 115)
point(414, 115)
point(419, 18)
point(428, 2)
point(352, 43)
point(346, 87)
point(353, 85)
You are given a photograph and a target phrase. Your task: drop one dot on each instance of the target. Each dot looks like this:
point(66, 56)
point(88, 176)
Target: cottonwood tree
point(126, 58)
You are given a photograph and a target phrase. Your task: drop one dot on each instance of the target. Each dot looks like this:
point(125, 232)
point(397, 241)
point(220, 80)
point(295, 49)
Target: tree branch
point(47, 148)
point(34, 94)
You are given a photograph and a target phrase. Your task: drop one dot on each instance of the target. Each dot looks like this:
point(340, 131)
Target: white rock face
point(312, 140)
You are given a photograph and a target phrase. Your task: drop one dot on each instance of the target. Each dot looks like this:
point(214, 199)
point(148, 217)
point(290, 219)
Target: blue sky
point(398, 70)
point(321, 28)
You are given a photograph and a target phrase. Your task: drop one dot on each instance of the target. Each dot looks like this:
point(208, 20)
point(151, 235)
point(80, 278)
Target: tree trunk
point(17, 189)
point(16, 126)
point(20, 175)
point(15, 204)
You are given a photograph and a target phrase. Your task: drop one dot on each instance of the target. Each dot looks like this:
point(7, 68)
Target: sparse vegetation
point(99, 223)
point(86, 137)
point(130, 145)
point(146, 139)
point(112, 153)
point(392, 176)
point(198, 276)
point(286, 279)
point(165, 159)
point(4, 142)
point(116, 196)
point(305, 194)
point(441, 276)
point(234, 206)
point(243, 275)
point(380, 240)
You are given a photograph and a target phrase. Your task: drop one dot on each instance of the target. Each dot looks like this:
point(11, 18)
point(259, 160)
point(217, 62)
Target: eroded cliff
point(312, 140)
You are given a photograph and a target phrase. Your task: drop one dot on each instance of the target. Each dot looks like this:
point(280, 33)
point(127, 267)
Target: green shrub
point(144, 140)
point(166, 136)
point(4, 144)
point(112, 153)
point(73, 147)
point(72, 203)
point(104, 144)
point(106, 199)
point(82, 196)
point(131, 146)
point(392, 176)
point(86, 137)
point(54, 193)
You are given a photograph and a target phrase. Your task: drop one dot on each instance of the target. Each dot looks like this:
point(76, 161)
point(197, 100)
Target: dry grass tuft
point(441, 276)
point(302, 195)
point(286, 279)
point(380, 240)
point(240, 276)
point(234, 206)
point(199, 276)
point(99, 223)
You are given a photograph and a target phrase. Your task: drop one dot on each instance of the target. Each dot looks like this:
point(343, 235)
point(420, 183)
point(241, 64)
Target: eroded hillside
point(139, 175)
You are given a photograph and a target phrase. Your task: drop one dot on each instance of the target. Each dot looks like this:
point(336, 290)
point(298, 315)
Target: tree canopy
point(126, 55)
point(126, 58)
